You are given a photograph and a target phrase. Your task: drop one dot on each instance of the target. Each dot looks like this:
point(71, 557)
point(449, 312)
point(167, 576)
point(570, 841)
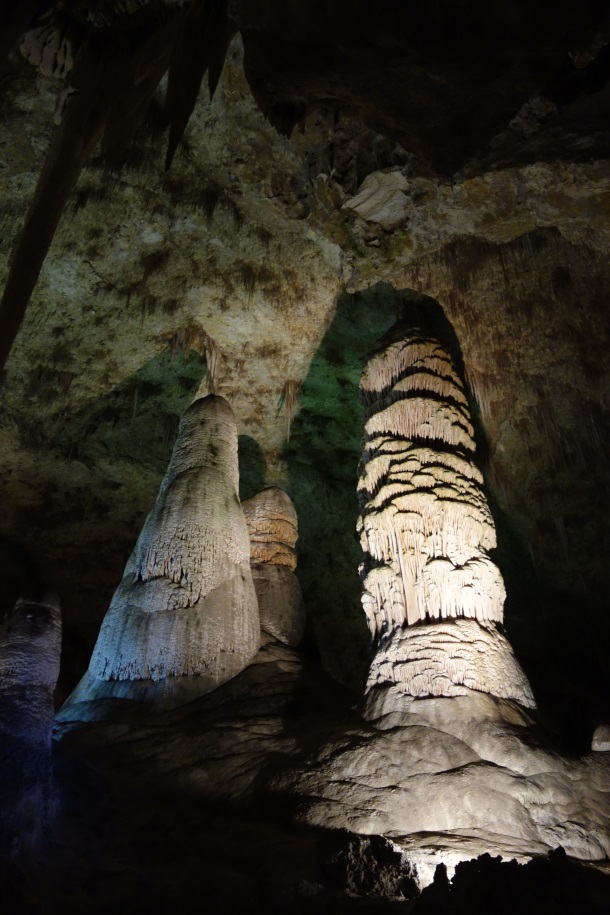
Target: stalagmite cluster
point(30, 645)
point(272, 525)
point(186, 607)
point(426, 528)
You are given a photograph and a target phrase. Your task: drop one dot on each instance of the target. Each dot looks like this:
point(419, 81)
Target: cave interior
point(237, 199)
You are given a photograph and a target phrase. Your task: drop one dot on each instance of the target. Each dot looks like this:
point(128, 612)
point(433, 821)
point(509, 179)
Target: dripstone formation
point(433, 597)
point(448, 764)
point(185, 617)
point(273, 529)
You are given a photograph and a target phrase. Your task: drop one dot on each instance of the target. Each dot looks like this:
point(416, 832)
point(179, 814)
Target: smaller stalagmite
point(425, 525)
point(30, 645)
point(185, 617)
point(272, 525)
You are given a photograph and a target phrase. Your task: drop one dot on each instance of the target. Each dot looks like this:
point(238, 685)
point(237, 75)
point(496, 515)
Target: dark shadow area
point(322, 459)
point(252, 467)
point(19, 574)
point(553, 884)
point(138, 419)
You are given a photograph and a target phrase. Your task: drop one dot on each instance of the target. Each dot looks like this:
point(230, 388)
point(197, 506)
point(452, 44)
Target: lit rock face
point(272, 525)
point(426, 528)
point(185, 617)
point(30, 645)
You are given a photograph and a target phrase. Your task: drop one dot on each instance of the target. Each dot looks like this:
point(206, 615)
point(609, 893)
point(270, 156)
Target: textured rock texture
point(425, 525)
point(442, 779)
point(272, 526)
point(248, 242)
point(449, 659)
point(185, 616)
point(30, 645)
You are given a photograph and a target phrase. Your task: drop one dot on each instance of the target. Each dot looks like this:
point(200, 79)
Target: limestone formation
point(272, 525)
point(449, 659)
point(30, 644)
point(185, 617)
point(601, 739)
point(426, 528)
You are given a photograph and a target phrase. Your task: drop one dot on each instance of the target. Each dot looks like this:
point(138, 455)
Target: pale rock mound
point(273, 529)
point(185, 617)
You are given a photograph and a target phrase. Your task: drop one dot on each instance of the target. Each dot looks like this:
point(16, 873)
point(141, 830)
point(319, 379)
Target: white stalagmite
point(273, 528)
point(186, 607)
point(426, 529)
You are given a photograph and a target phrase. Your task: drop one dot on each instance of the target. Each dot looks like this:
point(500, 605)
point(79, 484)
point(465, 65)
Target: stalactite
point(425, 526)
point(213, 356)
point(108, 82)
point(290, 399)
point(203, 40)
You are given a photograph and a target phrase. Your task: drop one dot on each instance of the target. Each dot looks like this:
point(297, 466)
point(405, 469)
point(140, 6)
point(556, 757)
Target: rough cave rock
point(185, 617)
point(273, 528)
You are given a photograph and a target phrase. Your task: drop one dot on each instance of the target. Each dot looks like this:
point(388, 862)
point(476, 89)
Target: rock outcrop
point(273, 528)
point(30, 645)
point(425, 526)
point(185, 617)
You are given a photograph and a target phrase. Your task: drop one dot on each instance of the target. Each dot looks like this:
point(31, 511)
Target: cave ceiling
point(335, 156)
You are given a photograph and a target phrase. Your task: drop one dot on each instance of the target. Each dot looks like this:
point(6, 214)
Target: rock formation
point(426, 528)
point(272, 525)
point(30, 644)
point(185, 617)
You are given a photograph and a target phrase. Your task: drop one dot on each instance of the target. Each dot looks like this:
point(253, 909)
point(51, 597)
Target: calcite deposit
point(185, 617)
point(273, 529)
point(425, 525)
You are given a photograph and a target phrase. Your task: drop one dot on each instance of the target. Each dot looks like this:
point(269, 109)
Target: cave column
point(432, 596)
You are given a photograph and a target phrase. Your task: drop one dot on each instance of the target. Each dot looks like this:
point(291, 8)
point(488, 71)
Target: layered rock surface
point(425, 525)
point(273, 529)
point(185, 617)
point(445, 780)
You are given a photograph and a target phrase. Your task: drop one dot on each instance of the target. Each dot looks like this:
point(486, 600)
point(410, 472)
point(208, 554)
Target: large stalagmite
point(185, 617)
point(432, 595)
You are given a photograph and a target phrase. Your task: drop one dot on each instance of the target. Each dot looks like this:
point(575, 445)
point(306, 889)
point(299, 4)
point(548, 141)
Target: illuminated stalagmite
point(272, 524)
point(432, 595)
point(185, 617)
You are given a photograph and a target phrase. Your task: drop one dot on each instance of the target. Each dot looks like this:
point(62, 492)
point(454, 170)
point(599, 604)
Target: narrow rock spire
point(425, 524)
point(185, 617)
point(273, 529)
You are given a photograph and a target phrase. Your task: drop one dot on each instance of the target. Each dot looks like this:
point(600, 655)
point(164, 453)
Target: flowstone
point(273, 528)
point(433, 597)
point(185, 617)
